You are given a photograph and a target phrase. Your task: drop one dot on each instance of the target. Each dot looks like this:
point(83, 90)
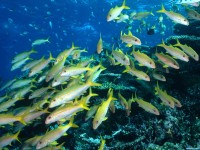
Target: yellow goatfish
point(165, 98)
point(65, 53)
point(10, 118)
point(146, 106)
point(102, 110)
point(188, 50)
point(8, 139)
point(115, 12)
point(66, 110)
point(120, 57)
point(100, 45)
point(40, 41)
point(143, 59)
point(23, 55)
point(167, 60)
point(55, 69)
point(55, 134)
point(177, 18)
point(129, 39)
point(139, 74)
point(158, 76)
point(174, 51)
point(40, 66)
point(102, 145)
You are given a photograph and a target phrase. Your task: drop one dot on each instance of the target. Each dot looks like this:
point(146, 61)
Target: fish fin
point(105, 118)
point(124, 5)
point(129, 45)
point(65, 134)
point(165, 66)
point(162, 10)
point(16, 136)
point(54, 143)
point(71, 122)
point(140, 64)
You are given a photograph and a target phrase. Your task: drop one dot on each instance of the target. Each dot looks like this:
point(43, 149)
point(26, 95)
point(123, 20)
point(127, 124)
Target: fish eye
point(56, 81)
point(183, 55)
point(154, 110)
point(54, 100)
point(169, 102)
point(49, 117)
point(136, 40)
point(146, 76)
point(65, 71)
point(150, 62)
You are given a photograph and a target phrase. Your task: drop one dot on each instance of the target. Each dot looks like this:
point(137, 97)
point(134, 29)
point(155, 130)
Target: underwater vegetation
point(124, 96)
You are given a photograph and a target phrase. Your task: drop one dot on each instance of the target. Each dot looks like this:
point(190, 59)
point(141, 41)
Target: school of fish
point(58, 89)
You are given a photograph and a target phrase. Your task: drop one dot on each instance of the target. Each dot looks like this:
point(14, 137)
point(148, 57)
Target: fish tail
point(127, 69)
point(84, 105)
point(178, 43)
point(162, 10)
point(50, 56)
point(92, 94)
point(33, 51)
point(71, 123)
point(74, 47)
point(21, 119)
point(16, 136)
point(48, 39)
point(89, 81)
point(110, 95)
point(124, 5)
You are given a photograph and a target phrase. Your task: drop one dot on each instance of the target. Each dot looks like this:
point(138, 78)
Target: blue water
point(67, 21)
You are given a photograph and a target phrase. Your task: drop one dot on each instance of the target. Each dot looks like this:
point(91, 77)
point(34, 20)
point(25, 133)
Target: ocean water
point(81, 22)
point(65, 22)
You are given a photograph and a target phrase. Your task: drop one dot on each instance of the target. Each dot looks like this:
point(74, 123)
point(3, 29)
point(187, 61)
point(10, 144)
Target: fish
point(123, 101)
point(91, 112)
point(139, 74)
point(102, 145)
point(39, 92)
point(188, 50)
point(40, 66)
point(4, 106)
point(102, 110)
point(20, 63)
point(31, 64)
point(40, 41)
point(186, 1)
point(115, 12)
point(128, 111)
point(66, 110)
point(122, 18)
point(177, 18)
point(143, 59)
point(65, 53)
point(10, 118)
point(69, 94)
point(167, 60)
point(23, 55)
point(58, 80)
point(112, 107)
point(21, 82)
point(9, 83)
point(158, 76)
point(146, 106)
point(141, 15)
point(8, 139)
point(120, 57)
point(74, 70)
point(129, 39)
point(55, 69)
point(192, 14)
point(175, 52)
point(76, 54)
point(100, 45)
point(165, 98)
point(55, 134)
